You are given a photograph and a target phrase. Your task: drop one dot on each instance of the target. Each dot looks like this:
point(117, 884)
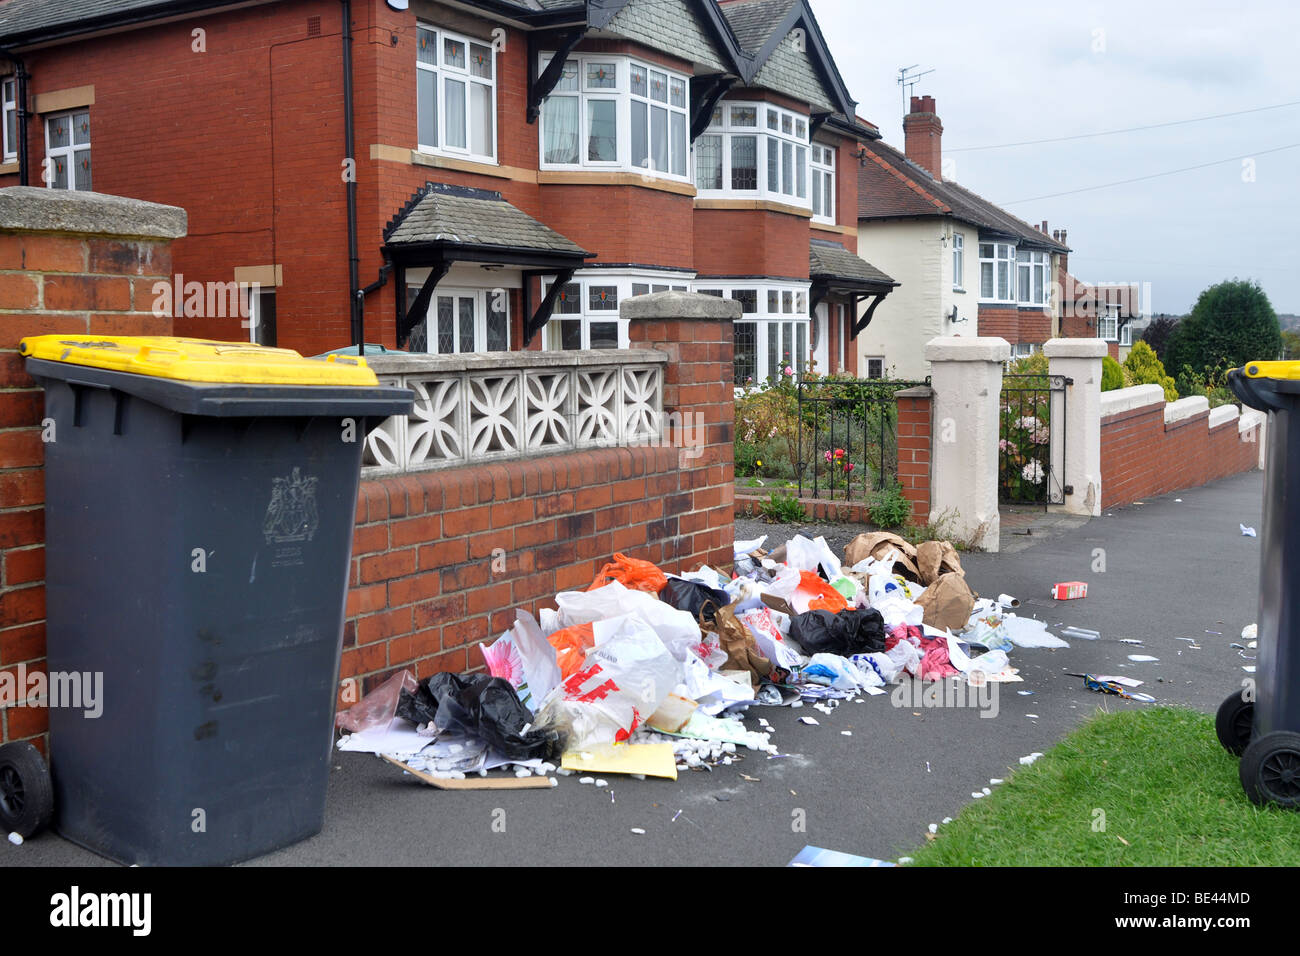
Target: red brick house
point(462, 175)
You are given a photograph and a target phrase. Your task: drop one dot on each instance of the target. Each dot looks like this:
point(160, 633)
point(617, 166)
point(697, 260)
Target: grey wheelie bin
point(1261, 723)
point(199, 502)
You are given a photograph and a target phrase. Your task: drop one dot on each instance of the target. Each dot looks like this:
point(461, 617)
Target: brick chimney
point(923, 136)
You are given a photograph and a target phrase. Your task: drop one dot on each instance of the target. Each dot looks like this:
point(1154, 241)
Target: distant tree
point(1158, 331)
point(1231, 324)
point(1290, 344)
point(1143, 368)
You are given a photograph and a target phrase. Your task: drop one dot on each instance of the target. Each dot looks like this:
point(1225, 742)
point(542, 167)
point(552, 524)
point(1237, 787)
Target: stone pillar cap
point(680, 305)
point(34, 209)
point(959, 348)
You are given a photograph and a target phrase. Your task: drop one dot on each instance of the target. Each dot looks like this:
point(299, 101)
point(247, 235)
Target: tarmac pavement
point(1172, 568)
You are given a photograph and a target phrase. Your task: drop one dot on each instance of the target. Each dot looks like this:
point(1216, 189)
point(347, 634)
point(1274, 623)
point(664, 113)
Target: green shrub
point(1112, 374)
point(782, 508)
point(1142, 367)
point(889, 507)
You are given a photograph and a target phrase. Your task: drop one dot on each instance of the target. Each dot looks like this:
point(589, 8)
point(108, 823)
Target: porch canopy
point(835, 271)
point(444, 224)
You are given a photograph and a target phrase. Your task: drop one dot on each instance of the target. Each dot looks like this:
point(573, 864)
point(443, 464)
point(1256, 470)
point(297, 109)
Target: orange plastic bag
point(571, 646)
point(631, 573)
point(827, 599)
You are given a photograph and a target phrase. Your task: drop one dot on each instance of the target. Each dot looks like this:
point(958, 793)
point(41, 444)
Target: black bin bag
point(480, 706)
point(855, 631)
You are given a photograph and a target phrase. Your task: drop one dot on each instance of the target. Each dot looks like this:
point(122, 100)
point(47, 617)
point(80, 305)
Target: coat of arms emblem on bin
point(291, 515)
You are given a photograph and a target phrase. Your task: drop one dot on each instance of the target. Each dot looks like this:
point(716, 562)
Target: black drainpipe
point(21, 76)
point(355, 311)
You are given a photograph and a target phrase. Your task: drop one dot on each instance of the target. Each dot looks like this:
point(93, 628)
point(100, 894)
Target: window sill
point(959, 290)
point(413, 157)
point(765, 205)
point(7, 169)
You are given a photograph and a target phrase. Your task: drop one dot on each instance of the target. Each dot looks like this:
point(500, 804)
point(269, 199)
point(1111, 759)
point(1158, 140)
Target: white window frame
point(1108, 322)
point(781, 311)
point(627, 284)
point(676, 108)
point(456, 293)
point(1126, 334)
point(958, 261)
point(995, 255)
point(790, 138)
point(1035, 268)
point(866, 365)
point(70, 152)
point(8, 109)
point(823, 168)
point(444, 73)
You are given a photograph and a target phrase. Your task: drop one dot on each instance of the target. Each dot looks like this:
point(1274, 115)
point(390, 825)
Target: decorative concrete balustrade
point(472, 409)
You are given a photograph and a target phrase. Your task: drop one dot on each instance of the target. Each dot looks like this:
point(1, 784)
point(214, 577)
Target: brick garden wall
point(1141, 455)
point(96, 280)
point(442, 559)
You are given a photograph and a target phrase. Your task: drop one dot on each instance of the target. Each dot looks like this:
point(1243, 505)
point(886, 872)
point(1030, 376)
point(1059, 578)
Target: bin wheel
point(1270, 769)
point(26, 795)
point(1235, 723)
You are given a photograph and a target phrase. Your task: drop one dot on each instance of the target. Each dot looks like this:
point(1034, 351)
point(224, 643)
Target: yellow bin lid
point(1278, 370)
point(199, 360)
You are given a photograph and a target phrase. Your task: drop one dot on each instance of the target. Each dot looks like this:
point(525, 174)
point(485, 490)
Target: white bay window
point(823, 183)
point(996, 260)
point(609, 112)
point(755, 150)
point(772, 334)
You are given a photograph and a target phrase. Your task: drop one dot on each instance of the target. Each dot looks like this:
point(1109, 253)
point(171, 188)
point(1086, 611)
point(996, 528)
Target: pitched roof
point(830, 260)
point(754, 21)
point(891, 186)
point(440, 213)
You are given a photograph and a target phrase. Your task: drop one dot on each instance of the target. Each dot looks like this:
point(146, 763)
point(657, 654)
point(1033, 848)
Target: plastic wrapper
point(713, 691)
point(698, 600)
point(622, 682)
point(844, 634)
point(842, 673)
point(804, 555)
point(764, 624)
point(631, 572)
point(571, 644)
point(523, 656)
point(376, 710)
point(481, 706)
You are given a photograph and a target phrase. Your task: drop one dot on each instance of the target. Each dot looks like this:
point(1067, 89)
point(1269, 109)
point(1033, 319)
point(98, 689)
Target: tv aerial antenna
point(907, 80)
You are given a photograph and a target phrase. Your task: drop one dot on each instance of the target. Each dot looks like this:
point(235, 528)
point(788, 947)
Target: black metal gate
point(848, 436)
point(1031, 439)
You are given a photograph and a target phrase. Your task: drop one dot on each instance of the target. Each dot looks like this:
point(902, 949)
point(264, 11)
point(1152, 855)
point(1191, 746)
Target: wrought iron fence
point(1031, 439)
point(848, 436)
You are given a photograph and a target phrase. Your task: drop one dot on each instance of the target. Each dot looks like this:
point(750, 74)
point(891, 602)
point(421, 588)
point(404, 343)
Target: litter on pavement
point(648, 674)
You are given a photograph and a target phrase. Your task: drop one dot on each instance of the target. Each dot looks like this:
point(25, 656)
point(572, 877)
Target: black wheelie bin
point(199, 507)
point(1261, 722)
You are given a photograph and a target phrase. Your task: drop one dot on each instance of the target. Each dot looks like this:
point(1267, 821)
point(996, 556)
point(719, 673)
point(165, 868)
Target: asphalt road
point(1171, 569)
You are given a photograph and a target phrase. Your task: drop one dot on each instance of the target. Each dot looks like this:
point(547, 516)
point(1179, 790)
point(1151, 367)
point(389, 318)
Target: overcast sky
point(1005, 73)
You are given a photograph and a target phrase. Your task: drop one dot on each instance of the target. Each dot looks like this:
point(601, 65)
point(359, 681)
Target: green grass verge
point(1169, 793)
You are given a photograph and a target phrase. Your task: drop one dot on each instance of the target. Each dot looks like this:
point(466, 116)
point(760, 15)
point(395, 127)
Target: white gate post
point(966, 375)
point(1080, 360)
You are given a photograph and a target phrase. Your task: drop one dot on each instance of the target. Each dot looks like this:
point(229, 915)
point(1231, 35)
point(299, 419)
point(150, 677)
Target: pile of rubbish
point(648, 674)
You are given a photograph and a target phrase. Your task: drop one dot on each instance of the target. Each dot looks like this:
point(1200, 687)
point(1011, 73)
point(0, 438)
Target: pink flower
point(788, 370)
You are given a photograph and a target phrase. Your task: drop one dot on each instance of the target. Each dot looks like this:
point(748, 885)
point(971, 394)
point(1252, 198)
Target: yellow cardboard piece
point(652, 760)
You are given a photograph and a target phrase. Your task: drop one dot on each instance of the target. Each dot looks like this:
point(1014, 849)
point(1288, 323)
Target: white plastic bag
point(622, 682)
point(762, 623)
point(804, 555)
point(711, 690)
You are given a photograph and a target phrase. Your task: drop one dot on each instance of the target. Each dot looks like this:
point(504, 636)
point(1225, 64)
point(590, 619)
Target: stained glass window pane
point(59, 131)
point(773, 165)
point(748, 299)
point(569, 301)
point(678, 93)
point(453, 53)
point(640, 85)
point(744, 162)
point(602, 298)
point(81, 169)
point(602, 76)
point(480, 60)
point(659, 87)
point(744, 116)
point(81, 129)
point(708, 162)
point(745, 362)
point(446, 325)
point(466, 324)
point(426, 46)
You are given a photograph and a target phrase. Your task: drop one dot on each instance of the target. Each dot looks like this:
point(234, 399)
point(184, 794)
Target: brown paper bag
point(877, 544)
point(948, 602)
point(934, 558)
point(740, 647)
